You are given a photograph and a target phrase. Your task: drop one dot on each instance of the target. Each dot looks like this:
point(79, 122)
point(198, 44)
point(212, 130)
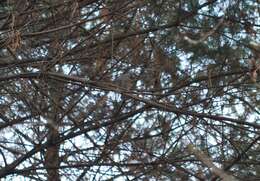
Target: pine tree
point(129, 89)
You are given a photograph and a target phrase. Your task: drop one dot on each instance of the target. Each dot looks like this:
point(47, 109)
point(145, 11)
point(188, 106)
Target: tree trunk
point(52, 162)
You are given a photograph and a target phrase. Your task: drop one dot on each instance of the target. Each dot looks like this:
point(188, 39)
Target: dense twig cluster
point(95, 89)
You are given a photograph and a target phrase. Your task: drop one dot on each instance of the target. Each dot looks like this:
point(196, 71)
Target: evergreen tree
point(129, 89)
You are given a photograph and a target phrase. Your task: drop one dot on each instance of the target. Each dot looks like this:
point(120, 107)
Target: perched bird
point(124, 81)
